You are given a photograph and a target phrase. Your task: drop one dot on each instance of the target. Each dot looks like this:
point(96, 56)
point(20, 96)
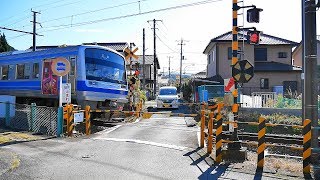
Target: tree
point(4, 46)
point(187, 90)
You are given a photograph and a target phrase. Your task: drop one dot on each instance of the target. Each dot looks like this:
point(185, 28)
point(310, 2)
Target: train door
point(72, 74)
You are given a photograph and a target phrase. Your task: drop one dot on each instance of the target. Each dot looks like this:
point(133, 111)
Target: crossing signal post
point(129, 53)
point(235, 151)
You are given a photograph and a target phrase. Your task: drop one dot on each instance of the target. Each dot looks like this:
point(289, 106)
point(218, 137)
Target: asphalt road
point(158, 148)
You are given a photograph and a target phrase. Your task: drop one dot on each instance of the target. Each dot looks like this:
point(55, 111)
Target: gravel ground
point(275, 165)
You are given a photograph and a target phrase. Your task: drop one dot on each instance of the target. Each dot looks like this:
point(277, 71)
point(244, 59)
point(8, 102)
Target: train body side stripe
point(36, 85)
point(23, 84)
point(81, 86)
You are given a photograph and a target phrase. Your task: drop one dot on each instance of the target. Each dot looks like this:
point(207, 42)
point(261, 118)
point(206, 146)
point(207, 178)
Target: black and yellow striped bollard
point(210, 133)
point(219, 139)
point(203, 119)
point(88, 122)
point(306, 146)
point(261, 142)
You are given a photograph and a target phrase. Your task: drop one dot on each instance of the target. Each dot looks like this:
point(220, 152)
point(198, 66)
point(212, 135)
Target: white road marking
point(170, 146)
point(109, 130)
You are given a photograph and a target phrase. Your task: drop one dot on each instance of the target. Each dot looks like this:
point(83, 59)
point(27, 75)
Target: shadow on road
point(213, 172)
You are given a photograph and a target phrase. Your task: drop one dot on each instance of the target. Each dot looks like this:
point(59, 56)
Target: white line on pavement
point(109, 130)
point(170, 146)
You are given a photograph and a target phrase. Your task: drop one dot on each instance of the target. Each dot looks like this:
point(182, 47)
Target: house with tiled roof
point(272, 61)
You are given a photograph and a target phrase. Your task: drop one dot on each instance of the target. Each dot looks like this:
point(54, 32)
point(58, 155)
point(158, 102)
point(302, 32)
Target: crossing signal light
point(253, 37)
point(253, 15)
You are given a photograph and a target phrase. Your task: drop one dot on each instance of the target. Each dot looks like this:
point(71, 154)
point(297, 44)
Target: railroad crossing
point(147, 148)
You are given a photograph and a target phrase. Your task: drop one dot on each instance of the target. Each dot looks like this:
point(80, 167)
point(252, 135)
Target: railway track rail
point(269, 138)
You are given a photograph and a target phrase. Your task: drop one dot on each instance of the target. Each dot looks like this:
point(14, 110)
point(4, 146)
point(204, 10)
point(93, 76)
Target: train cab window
point(20, 71)
point(35, 71)
point(4, 72)
point(73, 65)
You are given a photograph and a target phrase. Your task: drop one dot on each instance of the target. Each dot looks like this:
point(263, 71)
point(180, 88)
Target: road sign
point(78, 117)
point(128, 53)
point(60, 66)
point(229, 85)
point(242, 71)
point(66, 93)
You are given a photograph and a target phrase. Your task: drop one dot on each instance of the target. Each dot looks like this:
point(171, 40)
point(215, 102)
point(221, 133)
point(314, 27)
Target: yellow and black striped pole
point(210, 135)
point(306, 146)
point(70, 124)
point(261, 142)
point(88, 122)
point(235, 44)
point(203, 119)
point(219, 139)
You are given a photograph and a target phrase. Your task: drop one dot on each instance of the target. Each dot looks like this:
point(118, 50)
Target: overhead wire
point(165, 44)
point(135, 14)
point(87, 12)
point(65, 26)
point(15, 15)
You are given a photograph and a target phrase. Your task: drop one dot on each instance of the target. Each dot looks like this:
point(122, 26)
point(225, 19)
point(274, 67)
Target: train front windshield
point(104, 65)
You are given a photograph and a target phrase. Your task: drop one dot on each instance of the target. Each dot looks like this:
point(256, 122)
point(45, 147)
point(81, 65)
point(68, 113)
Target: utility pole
point(33, 33)
point(181, 58)
point(169, 68)
point(154, 58)
point(310, 106)
point(143, 60)
point(34, 29)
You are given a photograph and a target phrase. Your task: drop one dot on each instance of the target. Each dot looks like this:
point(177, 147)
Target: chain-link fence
point(37, 119)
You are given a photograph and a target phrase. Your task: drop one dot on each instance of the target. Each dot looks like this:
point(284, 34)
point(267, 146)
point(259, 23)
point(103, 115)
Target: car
point(167, 97)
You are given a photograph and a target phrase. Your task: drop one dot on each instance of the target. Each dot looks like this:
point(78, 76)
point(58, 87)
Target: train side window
point(27, 71)
point(35, 71)
point(72, 65)
point(20, 71)
point(4, 72)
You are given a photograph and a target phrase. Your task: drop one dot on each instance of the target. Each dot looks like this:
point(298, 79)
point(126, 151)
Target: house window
point(35, 71)
point(230, 53)
point(4, 72)
point(260, 54)
point(209, 58)
point(282, 55)
point(264, 83)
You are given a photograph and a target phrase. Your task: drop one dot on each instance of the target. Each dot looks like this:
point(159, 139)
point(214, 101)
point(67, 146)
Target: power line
point(15, 15)
point(65, 26)
point(49, 8)
point(135, 14)
point(62, 5)
point(165, 44)
point(87, 12)
point(19, 20)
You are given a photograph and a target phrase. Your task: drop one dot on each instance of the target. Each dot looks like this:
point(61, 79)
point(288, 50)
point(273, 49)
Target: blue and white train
point(97, 76)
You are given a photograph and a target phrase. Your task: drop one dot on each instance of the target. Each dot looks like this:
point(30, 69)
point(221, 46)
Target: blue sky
point(63, 23)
